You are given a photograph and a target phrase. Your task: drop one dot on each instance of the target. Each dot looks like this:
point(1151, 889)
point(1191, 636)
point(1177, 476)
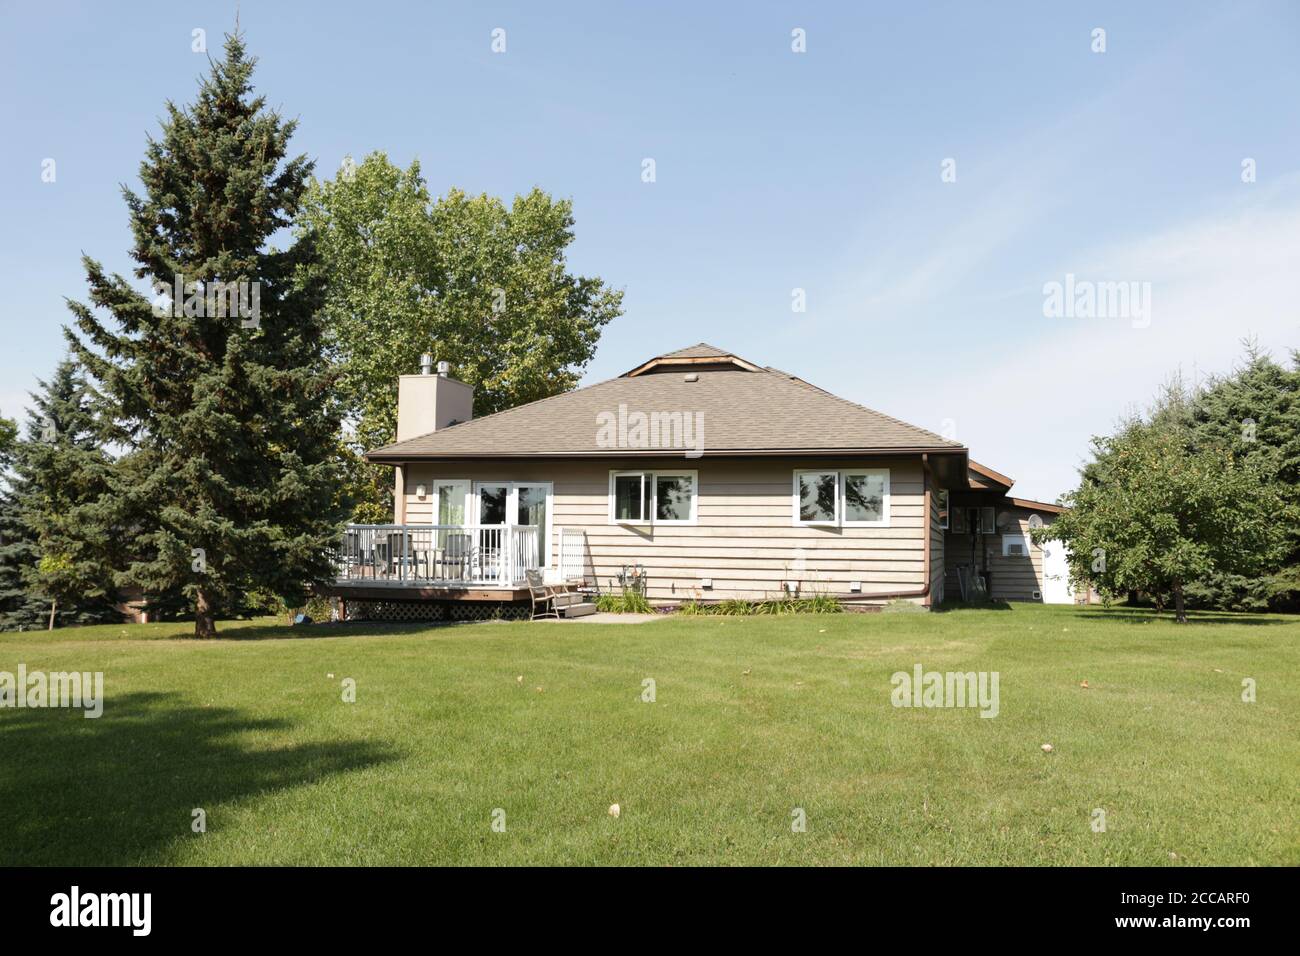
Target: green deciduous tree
point(473, 282)
point(229, 414)
point(1159, 510)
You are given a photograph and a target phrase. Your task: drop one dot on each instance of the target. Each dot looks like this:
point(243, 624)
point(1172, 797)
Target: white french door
point(512, 504)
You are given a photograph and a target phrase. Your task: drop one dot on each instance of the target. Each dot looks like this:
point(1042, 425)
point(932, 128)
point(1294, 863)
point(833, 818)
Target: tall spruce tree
point(230, 412)
point(54, 568)
point(19, 608)
point(8, 436)
point(1255, 411)
point(61, 476)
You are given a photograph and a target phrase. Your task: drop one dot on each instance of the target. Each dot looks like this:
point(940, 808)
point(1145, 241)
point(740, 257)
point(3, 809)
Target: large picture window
point(649, 497)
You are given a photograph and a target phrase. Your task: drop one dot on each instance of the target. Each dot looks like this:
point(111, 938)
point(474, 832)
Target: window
point(632, 497)
point(450, 496)
point(943, 508)
point(960, 520)
point(858, 498)
point(1015, 546)
point(492, 503)
point(674, 497)
point(987, 521)
point(647, 497)
point(817, 498)
point(973, 521)
point(866, 498)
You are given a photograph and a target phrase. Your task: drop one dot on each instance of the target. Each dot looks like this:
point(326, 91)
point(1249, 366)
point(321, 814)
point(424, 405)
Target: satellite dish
point(1035, 521)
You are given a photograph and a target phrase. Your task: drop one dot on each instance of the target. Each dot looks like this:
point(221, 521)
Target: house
point(699, 473)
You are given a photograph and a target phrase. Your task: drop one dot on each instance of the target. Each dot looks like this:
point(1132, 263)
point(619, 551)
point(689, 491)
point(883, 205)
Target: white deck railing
point(439, 555)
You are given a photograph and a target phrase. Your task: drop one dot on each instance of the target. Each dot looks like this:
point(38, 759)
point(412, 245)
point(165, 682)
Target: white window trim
point(883, 521)
point(652, 477)
point(795, 498)
point(841, 505)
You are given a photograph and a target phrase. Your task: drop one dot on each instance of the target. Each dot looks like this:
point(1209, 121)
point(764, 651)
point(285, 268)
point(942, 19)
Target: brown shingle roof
point(760, 411)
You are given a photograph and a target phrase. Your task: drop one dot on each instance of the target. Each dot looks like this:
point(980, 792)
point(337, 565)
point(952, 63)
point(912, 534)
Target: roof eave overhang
point(1045, 506)
point(382, 457)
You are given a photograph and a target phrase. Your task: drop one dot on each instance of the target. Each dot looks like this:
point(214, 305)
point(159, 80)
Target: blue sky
point(775, 171)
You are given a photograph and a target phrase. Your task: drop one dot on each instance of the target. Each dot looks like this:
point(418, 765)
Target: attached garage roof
point(744, 408)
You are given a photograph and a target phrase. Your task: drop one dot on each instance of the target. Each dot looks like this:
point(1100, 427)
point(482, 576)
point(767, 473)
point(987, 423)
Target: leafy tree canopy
point(1187, 494)
point(467, 279)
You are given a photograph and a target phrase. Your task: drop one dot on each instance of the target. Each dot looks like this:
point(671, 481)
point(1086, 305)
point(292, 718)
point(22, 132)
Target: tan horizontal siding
point(744, 539)
point(1014, 579)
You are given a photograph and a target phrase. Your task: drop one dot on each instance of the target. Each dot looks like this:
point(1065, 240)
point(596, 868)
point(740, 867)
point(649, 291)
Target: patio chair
point(455, 557)
point(352, 555)
point(543, 596)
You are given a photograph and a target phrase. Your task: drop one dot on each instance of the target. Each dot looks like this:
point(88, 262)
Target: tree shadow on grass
point(264, 632)
point(1125, 614)
point(118, 789)
point(286, 632)
point(954, 604)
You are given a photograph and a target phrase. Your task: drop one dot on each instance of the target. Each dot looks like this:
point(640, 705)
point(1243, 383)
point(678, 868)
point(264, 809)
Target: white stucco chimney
point(428, 402)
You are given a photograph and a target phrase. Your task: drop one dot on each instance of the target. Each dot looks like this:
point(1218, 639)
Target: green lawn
point(754, 717)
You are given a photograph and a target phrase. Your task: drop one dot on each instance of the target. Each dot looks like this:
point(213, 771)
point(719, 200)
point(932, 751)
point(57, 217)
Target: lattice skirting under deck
point(436, 611)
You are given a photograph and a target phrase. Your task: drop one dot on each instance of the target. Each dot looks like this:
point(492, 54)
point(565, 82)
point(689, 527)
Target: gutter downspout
point(921, 592)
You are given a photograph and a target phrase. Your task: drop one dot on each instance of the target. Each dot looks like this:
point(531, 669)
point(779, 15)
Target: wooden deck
point(353, 590)
point(361, 591)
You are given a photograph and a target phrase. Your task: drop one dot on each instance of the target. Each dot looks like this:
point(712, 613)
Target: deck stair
point(573, 604)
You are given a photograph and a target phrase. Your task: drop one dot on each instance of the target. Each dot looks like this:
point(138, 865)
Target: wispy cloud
point(1228, 274)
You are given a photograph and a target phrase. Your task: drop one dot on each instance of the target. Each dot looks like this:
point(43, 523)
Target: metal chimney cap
point(444, 369)
point(426, 364)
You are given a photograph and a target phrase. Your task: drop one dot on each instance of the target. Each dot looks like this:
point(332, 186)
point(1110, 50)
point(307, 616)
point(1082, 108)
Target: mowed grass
point(753, 718)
